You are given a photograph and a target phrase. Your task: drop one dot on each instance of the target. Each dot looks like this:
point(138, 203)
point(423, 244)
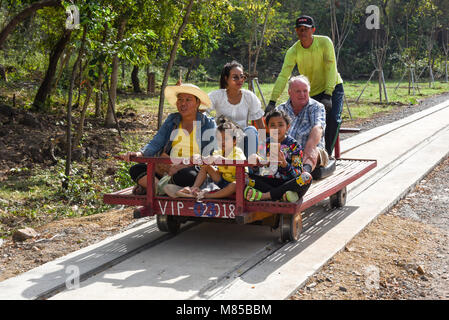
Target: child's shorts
point(222, 183)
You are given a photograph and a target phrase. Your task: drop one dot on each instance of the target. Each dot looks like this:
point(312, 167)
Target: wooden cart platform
point(172, 211)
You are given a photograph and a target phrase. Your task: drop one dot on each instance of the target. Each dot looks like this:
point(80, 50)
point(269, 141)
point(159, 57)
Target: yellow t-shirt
point(184, 145)
point(228, 172)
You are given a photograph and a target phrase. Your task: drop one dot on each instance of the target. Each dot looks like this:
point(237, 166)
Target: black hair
point(226, 71)
point(277, 113)
point(224, 124)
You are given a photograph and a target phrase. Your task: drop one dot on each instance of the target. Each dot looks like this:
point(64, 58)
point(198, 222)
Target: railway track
point(226, 261)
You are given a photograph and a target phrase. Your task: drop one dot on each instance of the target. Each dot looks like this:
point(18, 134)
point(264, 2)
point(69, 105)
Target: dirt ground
point(401, 255)
point(60, 238)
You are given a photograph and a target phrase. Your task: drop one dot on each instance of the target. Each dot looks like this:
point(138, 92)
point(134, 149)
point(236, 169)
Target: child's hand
point(127, 155)
point(195, 191)
point(219, 159)
point(196, 159)
point(254, 158)
point(281, 158)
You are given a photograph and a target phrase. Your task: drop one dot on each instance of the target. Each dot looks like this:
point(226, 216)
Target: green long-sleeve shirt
point(317, 63)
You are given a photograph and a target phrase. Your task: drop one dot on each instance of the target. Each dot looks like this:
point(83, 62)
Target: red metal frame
point(350, 170)
point(238, 208)
point(337, 141)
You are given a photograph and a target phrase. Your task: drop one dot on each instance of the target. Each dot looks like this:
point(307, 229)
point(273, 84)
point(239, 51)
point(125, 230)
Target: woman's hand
point(126, 157)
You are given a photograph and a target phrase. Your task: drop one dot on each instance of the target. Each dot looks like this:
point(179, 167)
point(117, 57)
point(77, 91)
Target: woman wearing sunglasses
point(237, 104)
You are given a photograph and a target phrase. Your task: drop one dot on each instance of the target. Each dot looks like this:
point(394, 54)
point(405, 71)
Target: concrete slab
point(180, 267)
point(34, 283)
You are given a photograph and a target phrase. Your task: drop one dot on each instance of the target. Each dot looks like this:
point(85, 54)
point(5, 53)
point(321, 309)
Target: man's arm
point(260, 124)
point(311, 149)
point(330, 67)
point(284, 75)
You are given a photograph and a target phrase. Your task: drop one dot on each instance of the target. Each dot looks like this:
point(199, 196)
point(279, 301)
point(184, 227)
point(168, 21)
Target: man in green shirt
point(315, 57)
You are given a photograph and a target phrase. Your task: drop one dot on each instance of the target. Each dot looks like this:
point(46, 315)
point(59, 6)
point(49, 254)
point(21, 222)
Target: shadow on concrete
point(316, 222)
point(188, 265)
point(87, 262)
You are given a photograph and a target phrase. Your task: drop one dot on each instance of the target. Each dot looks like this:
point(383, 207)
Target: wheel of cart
point(290, 226)
point(170, 213)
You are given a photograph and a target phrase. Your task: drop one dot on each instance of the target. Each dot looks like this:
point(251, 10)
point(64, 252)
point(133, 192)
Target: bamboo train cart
point(172, 212)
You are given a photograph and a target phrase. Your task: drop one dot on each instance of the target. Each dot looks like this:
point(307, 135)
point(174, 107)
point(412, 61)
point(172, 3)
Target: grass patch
point(35, 196)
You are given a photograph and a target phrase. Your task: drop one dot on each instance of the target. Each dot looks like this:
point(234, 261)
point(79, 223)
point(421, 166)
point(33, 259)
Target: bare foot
point(185, 192)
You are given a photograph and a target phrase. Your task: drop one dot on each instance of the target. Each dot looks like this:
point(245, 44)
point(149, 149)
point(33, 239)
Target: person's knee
point(250, 130)
point(251, 140)
point(138, 171)
point(185, 177)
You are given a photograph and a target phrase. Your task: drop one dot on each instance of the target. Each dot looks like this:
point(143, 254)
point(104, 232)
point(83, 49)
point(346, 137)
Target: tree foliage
point(255, 32)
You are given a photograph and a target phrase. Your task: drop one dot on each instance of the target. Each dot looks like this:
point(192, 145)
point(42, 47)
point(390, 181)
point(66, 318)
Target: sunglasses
point(239, 77)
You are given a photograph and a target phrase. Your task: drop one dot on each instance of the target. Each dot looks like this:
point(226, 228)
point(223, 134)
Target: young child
point(223, 176)
point(287, 181)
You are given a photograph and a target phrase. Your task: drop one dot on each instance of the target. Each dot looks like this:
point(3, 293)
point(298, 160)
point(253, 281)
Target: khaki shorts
point(324, 157)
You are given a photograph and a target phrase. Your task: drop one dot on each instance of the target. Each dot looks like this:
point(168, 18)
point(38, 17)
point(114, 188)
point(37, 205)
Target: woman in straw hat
point(182, 134)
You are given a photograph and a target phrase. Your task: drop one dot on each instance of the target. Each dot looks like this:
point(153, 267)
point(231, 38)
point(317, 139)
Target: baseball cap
point(305, 21)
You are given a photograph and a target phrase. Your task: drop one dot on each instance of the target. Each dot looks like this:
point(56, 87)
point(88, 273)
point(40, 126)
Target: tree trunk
point(251, 75)
point(45, 88)
point(379, 72)
point(99, 93)
point(68, 162)
point(262, 36)
point(172, 60)
point(79, 132)
point(25, 13)
point(151, 79)
point(62, 65)
point(189, 70)
point(109, 121)
point(446, 75)
point(123, 65)
point(135, 79)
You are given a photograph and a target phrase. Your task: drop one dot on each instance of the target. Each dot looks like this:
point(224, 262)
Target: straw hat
point(171, 93)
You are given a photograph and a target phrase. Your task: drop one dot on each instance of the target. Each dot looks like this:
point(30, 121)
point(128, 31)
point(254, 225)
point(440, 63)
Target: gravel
point(396, 114)
point(408, 256)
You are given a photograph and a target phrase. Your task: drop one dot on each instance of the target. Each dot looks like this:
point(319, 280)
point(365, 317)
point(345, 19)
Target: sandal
point(139, 190)
point(255, 196)
point(161, 184)
point(246, 191)
point(290, 196)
